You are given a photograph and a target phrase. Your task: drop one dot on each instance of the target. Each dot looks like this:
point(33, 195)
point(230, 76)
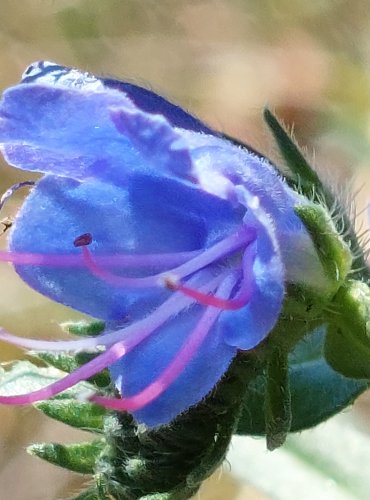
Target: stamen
point(39, 259)
point(86, 371)
point(138, 332)
point(76, 261)
point(240, 300)
point(9, 192)
point(219, 250)
point(209, 300)
point(177, 365)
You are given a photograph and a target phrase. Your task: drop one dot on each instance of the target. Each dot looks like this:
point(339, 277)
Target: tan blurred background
point(223, 60)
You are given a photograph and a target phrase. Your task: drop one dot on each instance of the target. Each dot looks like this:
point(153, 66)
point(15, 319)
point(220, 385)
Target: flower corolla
point(180, 240)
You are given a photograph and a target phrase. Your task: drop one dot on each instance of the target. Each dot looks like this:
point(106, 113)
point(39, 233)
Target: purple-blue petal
point(121, 220)
point(135, 371)
point(64, 132)
point(248, 326)
point(149, 101)
point(144, 99)
point(158, 142)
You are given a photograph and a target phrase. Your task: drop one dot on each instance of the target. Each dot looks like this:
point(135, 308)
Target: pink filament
point(241, 299)
point(175, 368)
point(138, 332)
point(210, 300)
point(165, 311)
point(188, 262)
point(217, 251)
point(87, 370)
point(65, 260)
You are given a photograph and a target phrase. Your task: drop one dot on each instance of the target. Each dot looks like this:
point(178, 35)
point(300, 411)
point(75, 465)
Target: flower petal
point(55, 213)
point(64, 131)
point(149, 101)
point(144, 99)
point(248, 326)
point(144, 364)
point(122, 221)
point(155, 138)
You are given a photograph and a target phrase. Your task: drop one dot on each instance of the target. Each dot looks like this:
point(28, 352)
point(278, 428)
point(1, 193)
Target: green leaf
point(302, 174)
point(349, 358)
point(84, 328)
point(68, 363)
point(305, 180)
point(347, 347)
point(278, 415)
point(317, 391)
point(23, 377)
point(82, 415)
point(79, 457)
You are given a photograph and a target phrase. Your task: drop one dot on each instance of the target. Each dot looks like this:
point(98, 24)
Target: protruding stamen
point(75, 261)
point(218, 251)
point(40, 259)
point(176, 367)
point(240, 300)
point(206, 299)
point(132, 336)
point(86, 371)
point(136, 332)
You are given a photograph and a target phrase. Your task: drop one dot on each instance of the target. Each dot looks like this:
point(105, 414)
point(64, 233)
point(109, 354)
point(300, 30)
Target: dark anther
point(83, 240)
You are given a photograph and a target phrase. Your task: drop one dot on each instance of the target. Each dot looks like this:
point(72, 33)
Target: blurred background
point(223, 60)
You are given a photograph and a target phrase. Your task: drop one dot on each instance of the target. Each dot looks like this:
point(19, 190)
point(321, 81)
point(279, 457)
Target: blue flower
point(146, 218)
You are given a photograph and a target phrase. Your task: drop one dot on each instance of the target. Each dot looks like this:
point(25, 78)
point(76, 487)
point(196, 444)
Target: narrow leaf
point(23, 376)
point(317, 391)
point(68, 363)
point(302, 173)
point(79, 457)
point(84, 328)
point(278, 415)
point(82, 415)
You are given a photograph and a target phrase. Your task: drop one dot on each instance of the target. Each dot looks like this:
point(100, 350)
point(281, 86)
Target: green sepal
point(317, 391)
point(23, 376)
point(278, 415)
point(82, 415)
point(70, 362)
point(303, 179)
point(302, 175)
point(84, 328)
point(333, 252)
point(79, 457)
point(347, 347)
